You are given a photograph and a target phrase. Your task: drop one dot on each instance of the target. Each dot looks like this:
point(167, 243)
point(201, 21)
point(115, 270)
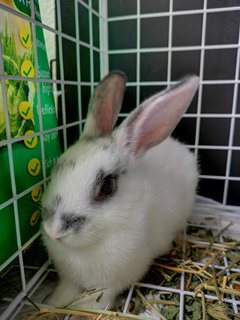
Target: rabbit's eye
point(107, 188)
point(107, 185)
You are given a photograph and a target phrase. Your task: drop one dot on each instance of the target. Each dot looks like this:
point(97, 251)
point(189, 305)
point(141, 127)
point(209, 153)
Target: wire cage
point(52, 55)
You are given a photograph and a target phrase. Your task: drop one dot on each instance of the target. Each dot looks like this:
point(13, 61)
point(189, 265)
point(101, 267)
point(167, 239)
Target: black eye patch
point(71, 221)
point(105, 186)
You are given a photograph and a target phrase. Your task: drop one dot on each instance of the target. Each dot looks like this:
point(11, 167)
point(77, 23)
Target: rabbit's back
point(171, 170)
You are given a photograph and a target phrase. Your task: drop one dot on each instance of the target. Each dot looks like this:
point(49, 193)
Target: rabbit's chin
point(76, 241)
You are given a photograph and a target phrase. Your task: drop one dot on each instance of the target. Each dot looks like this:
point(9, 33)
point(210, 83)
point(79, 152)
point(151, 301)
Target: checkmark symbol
point(25, 35)
point(34, 170)
point(34, 167)
point(35, 217)
point(25, 113)
point(25, 40)
point(30, 141)
point(27, 69)
point(38, 194)
point(26, 73)
point(34, 220)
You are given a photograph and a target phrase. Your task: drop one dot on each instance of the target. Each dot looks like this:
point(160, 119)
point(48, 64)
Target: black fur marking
point(103, 190)
point(60, 165)
point(56, 202)
point(123, 171)
point(49, 212)
point(88, 139)
point(96, 184)
point(105, 147)
point(99, 177)
point(72, 221)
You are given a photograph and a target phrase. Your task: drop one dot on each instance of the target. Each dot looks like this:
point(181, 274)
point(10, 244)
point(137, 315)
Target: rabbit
point(117, 198)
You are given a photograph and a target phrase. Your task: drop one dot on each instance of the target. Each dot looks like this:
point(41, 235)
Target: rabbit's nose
point(53, 231)
point(58, 235)
point(58, 238)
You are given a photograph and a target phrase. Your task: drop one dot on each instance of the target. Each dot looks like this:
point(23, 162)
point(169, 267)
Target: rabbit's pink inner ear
point(105, 105)
point(156, 118)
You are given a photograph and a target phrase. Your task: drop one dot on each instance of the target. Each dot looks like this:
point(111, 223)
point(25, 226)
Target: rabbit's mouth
point(86, 235)
point(67, 225)
point(52, 231)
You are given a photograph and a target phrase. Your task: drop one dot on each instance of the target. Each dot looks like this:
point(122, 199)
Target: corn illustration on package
point(21, 115)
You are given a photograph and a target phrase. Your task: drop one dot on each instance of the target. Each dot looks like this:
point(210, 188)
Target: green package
point(17, 47)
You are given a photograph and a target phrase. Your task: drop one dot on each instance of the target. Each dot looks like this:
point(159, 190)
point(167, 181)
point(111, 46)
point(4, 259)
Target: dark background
point(219, 64)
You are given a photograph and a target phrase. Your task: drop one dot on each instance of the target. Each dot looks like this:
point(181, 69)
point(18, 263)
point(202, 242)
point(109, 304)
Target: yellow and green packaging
point(17, 47)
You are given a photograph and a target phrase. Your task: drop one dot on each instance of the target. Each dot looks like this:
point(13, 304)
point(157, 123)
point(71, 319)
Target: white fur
point(153, 201)
point(124, 233)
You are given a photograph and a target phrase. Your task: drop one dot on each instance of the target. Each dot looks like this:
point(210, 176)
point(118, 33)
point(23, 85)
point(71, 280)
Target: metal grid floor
point(211, 229)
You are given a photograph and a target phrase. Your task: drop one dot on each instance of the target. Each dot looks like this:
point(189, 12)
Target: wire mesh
point(94, 56)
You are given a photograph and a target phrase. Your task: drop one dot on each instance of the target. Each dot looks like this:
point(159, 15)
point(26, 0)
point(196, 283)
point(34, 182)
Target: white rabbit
point(116, 200)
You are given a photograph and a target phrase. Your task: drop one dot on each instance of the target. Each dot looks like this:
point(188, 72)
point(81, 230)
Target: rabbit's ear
point(154, 120)
point(105, 105)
